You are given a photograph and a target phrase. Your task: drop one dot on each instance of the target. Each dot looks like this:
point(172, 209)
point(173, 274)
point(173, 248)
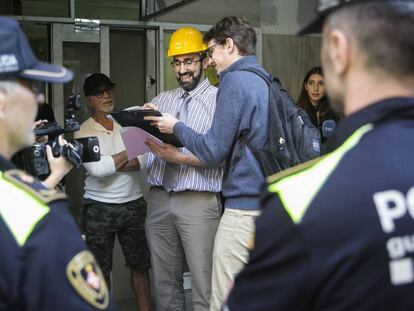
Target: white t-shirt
point(103, 183)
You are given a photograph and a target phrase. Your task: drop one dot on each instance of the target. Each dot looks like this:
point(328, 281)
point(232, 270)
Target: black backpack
point(292, 137)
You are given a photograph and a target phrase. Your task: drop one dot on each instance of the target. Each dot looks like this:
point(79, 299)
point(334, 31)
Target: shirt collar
point(199, 89)
point(98, 127)
point(378, 112)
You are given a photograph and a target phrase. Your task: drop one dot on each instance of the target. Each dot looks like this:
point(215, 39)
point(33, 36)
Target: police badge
point(87, 279)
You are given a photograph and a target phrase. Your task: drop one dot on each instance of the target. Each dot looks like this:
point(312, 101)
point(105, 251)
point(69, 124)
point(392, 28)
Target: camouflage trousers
point(103, 221)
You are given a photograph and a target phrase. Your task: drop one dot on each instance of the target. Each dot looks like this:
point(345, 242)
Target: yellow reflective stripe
point(20, 211)
point(298, 190)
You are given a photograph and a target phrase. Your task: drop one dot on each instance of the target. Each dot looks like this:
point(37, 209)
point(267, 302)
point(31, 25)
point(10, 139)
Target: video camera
point(76, 151)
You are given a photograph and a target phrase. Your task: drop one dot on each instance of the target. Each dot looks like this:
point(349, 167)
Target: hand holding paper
point(135, 118)
point(146, 106)
point(165, 123)
point(135, 141)
point(150, 106)
point(165, 152)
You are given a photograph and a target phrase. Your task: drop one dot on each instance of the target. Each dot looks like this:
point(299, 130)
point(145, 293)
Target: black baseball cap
point(18, 60)
point(94, 82)
point(325, 7)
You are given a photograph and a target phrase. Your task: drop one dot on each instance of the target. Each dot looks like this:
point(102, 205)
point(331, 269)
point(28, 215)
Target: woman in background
point(313, 100)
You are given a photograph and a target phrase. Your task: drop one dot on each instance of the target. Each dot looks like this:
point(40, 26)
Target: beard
point(189, 85)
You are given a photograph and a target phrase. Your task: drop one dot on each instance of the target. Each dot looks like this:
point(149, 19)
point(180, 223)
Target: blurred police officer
point(44, 264)
point(338, 233)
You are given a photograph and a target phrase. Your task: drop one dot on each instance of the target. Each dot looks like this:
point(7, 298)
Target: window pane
point(38, 36)
point(98, 9)
point(127, 60)
point(52, 8)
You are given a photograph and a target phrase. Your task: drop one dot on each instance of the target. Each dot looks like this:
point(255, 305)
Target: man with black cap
point(44, 263)
point(338, 232)
point(114, 205)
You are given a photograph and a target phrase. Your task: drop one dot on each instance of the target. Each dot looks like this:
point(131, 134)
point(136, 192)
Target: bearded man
point(184, 206)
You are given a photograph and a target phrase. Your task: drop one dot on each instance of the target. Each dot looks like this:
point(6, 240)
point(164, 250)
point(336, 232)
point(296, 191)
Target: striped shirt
point(200, 116)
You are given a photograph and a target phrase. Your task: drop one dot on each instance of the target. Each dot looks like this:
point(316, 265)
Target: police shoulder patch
point(87, 279)
point(293, 170)
point(33, 186)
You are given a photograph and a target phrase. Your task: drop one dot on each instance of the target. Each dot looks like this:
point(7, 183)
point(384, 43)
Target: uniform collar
point(382, 111)
point(5, 164)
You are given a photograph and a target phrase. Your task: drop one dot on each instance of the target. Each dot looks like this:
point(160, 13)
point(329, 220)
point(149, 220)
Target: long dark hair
point(305, 103)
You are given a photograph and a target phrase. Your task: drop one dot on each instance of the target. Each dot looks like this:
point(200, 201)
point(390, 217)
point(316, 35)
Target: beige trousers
point(231, 251)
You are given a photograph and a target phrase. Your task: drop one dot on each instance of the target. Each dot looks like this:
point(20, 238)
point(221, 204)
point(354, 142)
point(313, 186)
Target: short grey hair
point(8, 86)
point(382, 33)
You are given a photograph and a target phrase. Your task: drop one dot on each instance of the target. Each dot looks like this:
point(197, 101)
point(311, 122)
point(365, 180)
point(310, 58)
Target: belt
point(181, 191)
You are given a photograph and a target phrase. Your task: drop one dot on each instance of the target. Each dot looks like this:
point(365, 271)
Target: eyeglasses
point(210, 50)
point(100, 93)
point(188, 62)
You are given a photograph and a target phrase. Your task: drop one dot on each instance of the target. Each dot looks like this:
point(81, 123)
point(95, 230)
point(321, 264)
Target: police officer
point(338, 233)
point(44, 264)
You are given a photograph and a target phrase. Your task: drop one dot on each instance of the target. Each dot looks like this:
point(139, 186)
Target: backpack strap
point(276, 127)
point(244, 141)
point(267, 78)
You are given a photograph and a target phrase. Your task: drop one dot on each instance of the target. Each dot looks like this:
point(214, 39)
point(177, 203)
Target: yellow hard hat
point(186, 40)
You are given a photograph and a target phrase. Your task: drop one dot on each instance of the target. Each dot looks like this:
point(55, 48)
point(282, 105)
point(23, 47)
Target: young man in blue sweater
point(345, 243)
point(242, 107)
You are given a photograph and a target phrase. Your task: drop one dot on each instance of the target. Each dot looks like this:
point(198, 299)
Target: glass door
point(120, 54)
point(83, 53)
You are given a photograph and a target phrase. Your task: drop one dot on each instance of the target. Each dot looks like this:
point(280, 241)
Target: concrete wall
point(284, 54)
point(289, 58)
point(285, 16)
point(211, 11)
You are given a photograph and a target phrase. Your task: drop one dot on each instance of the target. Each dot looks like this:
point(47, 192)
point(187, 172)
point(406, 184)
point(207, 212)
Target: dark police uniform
point(339, 233)
point(44, 264)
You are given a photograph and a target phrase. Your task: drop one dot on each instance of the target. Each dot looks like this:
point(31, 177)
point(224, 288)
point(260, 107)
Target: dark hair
point(323, 104)
point(383, 34)
point(303, 100)
point(236, 28)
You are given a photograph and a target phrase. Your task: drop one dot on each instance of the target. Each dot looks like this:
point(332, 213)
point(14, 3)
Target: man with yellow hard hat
point(184, 206)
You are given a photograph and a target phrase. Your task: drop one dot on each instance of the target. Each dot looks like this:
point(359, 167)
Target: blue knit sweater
point(242, 105)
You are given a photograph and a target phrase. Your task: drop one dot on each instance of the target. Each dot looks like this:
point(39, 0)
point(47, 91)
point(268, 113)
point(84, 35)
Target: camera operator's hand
point(59, 167)
point(40, 139)
point(39, 123)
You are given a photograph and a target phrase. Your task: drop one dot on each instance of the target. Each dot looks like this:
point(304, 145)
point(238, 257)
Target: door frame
point(61, 33)
point(155, 43)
